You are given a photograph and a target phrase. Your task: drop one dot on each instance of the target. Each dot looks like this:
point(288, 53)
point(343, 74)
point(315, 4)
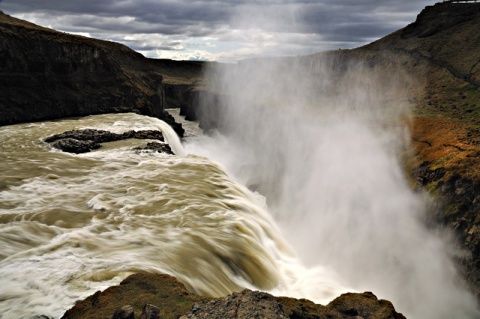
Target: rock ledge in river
point(82, 141)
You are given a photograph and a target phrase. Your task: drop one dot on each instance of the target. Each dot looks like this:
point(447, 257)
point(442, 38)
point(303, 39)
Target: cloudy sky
point(223, 30)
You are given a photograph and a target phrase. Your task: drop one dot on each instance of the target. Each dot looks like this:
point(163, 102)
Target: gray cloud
point(251, 23)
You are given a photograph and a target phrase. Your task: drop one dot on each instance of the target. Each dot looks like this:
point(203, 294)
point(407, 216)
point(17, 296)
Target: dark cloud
point(176, 15)
point(324, 23)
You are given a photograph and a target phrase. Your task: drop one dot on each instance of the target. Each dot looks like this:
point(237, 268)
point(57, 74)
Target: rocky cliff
point(443, 45)
point(45, 74)
point(161, 296)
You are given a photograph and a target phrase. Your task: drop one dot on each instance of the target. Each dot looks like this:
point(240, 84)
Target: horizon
point(224, 31)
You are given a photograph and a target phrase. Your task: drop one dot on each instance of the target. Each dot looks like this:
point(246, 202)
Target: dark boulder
point(365, 305)
point(154, 146)
point(125, 312)
point(71, 145)
point(177, 127)
point(163, 291)
point(150, 312)
point(99, 136)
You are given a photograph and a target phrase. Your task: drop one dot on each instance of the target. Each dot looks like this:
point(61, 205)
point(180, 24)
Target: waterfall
point(324, 146)
point(74, 224)
point(171, 137)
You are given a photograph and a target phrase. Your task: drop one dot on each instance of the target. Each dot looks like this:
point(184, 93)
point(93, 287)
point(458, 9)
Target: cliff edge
point(46, 74)
point(443, 47)
point(162, 296)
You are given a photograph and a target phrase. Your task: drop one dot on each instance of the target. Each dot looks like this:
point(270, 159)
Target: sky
point(223, 30)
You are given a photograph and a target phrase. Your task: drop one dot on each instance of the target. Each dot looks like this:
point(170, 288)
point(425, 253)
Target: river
point(301, 204)
point(74, 224)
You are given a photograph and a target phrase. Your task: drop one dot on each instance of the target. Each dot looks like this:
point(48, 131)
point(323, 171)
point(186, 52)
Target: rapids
point(74, 224)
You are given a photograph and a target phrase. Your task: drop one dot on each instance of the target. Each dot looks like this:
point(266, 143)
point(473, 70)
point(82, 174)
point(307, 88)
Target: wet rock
point(177, 127)
point(99, 136)
point(82, 141)
point(125, 312)
point(143, 134)
point(154, 146)
point(162, 291)
point(457, 208)
point(254, 304)
point(150, 312)
point(72, 145)
point(204, 107)
point(365, 305)
point(246, 304)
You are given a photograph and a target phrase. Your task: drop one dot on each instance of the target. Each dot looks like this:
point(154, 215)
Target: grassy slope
point(444, 44)
point(443, 47)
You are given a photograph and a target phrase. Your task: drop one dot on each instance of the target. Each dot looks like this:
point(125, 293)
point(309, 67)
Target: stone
point(150, 312)
point(125, 312)
point(154, 146)
point(365, 305)
point(246, 304)
point(71, 145)
point(82, 141)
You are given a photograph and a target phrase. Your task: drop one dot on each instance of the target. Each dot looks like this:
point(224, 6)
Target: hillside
point(443, 45)
point(46, 74)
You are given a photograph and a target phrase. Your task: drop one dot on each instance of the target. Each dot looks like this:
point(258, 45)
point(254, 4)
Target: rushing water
point(323, 141)
point(74, 224)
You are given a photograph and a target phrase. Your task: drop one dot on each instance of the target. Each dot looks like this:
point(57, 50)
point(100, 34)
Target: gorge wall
point(442, 45)
point(45, 75)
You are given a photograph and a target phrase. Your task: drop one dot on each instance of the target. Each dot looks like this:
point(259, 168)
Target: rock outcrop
point(162, 291)
point(160, 296)
point(443, 44)
point(203, 106)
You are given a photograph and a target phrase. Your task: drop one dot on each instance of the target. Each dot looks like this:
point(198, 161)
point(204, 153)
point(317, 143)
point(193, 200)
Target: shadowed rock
point(46, 74)
point(71, 145)
point(126, 312)
point(246, 304)
point(150, 312)
point(162, 296)
point(82, 141)
point(154, 146)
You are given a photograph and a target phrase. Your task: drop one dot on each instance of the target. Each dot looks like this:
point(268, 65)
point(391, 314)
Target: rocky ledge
point(155, 296)
point(83, 141)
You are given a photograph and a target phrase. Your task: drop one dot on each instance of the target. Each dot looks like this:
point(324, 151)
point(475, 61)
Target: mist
point(324, 138)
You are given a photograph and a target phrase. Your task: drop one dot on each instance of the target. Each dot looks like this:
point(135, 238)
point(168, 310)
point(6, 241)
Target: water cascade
point(326, 147)
point(75, 224)
point(314, 202)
